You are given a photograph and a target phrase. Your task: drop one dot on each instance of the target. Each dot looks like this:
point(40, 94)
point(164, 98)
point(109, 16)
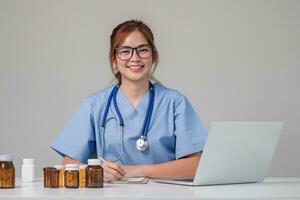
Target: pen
point(101, 159)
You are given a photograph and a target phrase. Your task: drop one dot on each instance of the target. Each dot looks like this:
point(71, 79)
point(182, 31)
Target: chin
point(137, 77)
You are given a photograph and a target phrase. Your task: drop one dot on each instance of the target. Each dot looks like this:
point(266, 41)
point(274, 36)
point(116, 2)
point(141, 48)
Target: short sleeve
point(77, 139)
point(189, 132)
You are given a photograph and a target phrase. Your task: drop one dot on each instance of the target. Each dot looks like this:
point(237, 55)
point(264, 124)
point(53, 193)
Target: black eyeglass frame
point(136, 50)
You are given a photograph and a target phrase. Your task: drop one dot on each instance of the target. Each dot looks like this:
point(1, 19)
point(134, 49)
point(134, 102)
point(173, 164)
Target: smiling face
point(135, 68)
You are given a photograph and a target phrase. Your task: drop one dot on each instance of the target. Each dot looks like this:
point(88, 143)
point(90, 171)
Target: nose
point(135, 55)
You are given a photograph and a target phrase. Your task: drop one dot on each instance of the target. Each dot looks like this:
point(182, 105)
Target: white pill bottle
point(28, 170)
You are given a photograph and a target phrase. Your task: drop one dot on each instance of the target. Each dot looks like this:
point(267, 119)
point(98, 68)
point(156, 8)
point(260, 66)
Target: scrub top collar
point(127, 110)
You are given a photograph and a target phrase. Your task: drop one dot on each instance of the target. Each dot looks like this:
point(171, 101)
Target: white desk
point(271, 188)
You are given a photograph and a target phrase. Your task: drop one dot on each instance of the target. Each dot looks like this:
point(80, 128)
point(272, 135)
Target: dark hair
point(118, 36)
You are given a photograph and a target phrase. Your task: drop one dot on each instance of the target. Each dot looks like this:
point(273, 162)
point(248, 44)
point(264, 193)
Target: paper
point(137, 180)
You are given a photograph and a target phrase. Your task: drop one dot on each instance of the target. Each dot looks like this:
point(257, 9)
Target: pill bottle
point(7, 171)
point(54, 178)
point(94, 174)
point(61, 169)
point(71, 176)
point(47, 176)
point(28, 168)
point(82, 173)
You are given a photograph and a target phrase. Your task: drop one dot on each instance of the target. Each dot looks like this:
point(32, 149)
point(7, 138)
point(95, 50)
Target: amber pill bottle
point(71, 176)
point(94, 174)
point(7, 172)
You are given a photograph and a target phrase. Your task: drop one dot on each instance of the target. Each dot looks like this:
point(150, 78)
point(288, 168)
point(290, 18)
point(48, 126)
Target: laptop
point(235, 152)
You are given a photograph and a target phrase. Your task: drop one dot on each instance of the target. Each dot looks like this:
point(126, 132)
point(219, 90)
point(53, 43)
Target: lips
point(135, 68)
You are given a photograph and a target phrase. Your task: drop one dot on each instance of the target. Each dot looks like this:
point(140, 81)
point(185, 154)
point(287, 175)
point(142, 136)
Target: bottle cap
point(59, 166)
point(71, 167)
point(28, 160)
point(94, 162)
point(5, 157)
point(82, 166)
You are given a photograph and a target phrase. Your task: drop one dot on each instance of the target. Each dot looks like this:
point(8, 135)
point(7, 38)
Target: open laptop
point(235, 152)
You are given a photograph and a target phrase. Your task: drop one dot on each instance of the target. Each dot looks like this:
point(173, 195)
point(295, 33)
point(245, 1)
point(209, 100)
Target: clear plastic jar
point(94, 174)
point(61, 169)
point(7, 172)
point(71, 176)
point(82, 176)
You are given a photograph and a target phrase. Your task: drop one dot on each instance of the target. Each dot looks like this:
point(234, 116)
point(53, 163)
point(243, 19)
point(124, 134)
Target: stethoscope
point(141, 142)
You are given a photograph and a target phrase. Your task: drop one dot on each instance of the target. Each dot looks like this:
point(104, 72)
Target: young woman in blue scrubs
point(174, 137)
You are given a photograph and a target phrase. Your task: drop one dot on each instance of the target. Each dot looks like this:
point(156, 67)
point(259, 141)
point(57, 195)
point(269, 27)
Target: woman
point(162, 136)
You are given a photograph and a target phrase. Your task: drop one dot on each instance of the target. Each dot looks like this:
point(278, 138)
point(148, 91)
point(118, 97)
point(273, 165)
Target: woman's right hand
point(112, 171)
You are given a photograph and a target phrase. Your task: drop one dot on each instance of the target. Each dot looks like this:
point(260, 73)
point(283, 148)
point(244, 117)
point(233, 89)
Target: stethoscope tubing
point(144, 131)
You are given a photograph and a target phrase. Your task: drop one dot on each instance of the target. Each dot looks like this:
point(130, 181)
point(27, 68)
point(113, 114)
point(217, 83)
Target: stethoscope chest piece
point(142, 144)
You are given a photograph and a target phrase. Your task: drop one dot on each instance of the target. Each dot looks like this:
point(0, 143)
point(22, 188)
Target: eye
point(143, 50)
point(124, 51)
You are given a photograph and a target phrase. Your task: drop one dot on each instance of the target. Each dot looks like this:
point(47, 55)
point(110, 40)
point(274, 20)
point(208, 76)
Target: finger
point(113, 172)
point(110, 177)
point(110, 170)
point(116, 167)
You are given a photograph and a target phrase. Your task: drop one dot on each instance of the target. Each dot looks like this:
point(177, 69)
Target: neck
point(134, 91)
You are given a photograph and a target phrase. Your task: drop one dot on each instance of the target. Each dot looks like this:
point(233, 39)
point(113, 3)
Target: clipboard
point(137, 180)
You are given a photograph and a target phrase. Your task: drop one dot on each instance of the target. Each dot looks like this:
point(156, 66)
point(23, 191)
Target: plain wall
point(234, 60)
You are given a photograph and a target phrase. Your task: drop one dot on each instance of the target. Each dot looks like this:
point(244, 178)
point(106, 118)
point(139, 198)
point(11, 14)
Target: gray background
point(234, 60)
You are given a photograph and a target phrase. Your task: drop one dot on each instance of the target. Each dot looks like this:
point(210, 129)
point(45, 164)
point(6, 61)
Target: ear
point(114, 64)
point(115, 67)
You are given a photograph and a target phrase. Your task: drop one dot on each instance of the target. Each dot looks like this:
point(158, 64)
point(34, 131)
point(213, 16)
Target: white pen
point(102, 159)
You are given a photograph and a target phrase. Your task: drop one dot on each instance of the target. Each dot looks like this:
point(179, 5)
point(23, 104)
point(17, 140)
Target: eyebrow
point(142, 45)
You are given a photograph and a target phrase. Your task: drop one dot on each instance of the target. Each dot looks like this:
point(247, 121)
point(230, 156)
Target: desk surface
point(271, 188)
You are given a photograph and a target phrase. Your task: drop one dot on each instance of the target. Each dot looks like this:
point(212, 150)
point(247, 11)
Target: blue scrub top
point(175, 130)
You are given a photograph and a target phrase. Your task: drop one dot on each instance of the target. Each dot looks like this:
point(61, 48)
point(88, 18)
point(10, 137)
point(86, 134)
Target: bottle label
point(7, 178)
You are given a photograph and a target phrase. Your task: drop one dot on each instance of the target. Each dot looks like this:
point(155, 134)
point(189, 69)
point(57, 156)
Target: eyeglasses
point(126, 52)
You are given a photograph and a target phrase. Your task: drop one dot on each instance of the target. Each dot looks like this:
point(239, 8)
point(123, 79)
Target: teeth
point(135, 67)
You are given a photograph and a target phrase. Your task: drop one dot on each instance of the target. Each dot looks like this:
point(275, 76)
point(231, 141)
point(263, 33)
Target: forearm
point(184, 167)
point(68, 160)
